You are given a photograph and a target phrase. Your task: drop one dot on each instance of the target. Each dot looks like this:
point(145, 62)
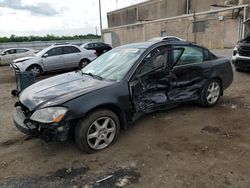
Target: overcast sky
point(58, 17)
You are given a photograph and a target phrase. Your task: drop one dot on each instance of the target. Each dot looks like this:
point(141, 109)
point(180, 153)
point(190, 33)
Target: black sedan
point(119, 87)
point(99, 47)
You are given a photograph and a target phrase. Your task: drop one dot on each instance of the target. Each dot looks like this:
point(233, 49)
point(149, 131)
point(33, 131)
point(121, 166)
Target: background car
point(8, 55)
point(117, 88)
point(99, 47)
point(55, 58)
point(166, 38)
point(241, 53)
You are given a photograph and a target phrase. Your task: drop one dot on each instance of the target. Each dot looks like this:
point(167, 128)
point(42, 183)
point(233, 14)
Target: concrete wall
point(222, 33)
point(157, 9)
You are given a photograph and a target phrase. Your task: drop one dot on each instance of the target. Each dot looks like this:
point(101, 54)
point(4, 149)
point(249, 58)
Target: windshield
point(114, 64)
point(42, 52)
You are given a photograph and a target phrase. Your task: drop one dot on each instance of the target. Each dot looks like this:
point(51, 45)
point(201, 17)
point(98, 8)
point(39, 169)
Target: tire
point(212, 88)
point(36, 69)
point(83, 63)
point(91, 134)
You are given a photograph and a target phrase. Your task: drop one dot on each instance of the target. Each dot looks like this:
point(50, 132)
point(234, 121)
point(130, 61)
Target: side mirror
point(45, 55)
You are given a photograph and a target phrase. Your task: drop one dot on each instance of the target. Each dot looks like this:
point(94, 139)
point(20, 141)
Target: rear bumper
point(48, 132)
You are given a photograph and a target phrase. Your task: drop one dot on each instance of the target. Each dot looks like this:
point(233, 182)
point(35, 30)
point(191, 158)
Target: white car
point(166, 38)
point(55, 58)
point(8, 55)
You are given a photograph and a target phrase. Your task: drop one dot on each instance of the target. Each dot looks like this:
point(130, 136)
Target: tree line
point(14, 38)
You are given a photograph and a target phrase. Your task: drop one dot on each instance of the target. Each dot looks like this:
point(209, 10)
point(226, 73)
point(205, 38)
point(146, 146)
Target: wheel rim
point(83, 64)
point(101, 133)
point(36, 70)
point(213, 92)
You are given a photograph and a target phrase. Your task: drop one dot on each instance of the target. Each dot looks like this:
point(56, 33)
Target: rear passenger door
point(72, 56)
point(21, 52)
point(53, 59)
point(189, 74)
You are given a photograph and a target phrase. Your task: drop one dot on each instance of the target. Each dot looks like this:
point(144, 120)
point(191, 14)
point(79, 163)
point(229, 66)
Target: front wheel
point(211, 93)
point(97, 131)
point(36, 69)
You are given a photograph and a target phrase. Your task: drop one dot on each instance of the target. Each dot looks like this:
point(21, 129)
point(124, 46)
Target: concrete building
point(210, 23)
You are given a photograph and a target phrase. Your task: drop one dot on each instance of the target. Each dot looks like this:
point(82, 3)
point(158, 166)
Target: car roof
point(165, 38)
point(148, 44)
point(16, 48)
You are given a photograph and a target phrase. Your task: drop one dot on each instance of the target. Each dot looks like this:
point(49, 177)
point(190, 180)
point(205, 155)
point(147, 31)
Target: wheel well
point(85, 59)
point(34, 65)
point(114, 109)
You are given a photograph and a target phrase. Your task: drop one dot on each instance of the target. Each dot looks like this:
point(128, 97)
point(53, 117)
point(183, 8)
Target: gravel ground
point(188, 146)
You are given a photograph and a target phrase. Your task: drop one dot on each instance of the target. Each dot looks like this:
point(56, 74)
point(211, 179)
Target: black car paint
point(86, 94)
point(244, 51)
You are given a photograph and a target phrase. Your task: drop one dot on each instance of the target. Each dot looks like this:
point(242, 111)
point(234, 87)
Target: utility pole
point(100, 12)
point(194, 26)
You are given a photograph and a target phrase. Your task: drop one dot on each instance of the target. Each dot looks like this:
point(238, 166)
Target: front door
point(150, 85)
point(53, 59)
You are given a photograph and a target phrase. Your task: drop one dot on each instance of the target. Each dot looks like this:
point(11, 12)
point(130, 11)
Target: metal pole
point(194, 26)
point(244, 19)
point(100, 12)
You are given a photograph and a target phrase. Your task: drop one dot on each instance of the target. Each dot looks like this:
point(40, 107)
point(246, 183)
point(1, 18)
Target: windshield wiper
point(92, 75)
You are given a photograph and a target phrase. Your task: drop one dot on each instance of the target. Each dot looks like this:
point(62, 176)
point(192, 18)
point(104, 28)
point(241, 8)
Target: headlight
point(49, 115)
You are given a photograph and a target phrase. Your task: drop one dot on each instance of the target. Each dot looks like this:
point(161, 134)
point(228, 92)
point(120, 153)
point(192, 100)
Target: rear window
point(70, 50)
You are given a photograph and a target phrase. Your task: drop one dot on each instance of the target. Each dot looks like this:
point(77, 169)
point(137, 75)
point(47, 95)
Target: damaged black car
point(241, 53)
point(117, 88)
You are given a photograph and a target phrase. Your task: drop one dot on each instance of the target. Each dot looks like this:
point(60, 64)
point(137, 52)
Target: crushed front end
point(54, 131)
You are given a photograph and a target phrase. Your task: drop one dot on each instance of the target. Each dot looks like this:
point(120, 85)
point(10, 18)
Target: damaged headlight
point(49, 115)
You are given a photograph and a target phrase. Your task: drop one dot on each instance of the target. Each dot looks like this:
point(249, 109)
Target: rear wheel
point(211, 93)
point(97, 131)
point(83, 63)
point(35, 69)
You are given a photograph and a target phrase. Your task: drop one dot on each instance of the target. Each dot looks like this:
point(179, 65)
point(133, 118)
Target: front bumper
point(48, 132)
point(19, 119)
point(241, 62)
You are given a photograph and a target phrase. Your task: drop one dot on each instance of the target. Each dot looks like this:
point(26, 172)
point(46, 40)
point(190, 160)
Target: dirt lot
point(188, 146)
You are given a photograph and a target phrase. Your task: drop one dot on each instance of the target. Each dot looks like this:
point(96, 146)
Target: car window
point(207, 56)
point(190, 55)
point(99, 44)
point(70, 50)
point(55, 51)
point(12, 51)
point(157, 58)
point(90, 45)
point(21, 50)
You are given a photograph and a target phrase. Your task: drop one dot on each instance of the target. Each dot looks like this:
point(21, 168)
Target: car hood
point(59, 89)
point(23, 59)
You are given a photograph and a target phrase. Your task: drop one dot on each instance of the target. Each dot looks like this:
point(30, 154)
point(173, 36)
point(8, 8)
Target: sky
point(58, 17)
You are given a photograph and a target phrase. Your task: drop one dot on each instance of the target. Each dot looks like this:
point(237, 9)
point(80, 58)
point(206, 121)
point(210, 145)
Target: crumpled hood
point(59, 89)
point(23, 59)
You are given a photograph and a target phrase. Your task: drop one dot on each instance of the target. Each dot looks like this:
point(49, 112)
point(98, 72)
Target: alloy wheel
point(101, 133)
point(213, 92)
